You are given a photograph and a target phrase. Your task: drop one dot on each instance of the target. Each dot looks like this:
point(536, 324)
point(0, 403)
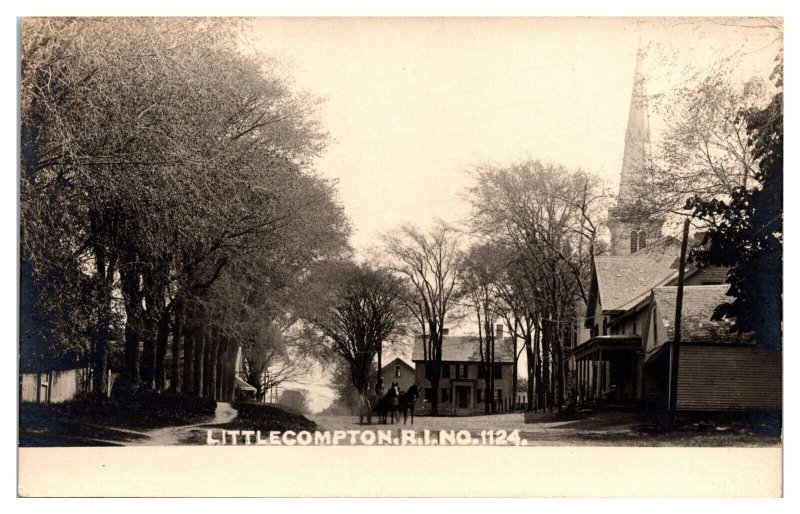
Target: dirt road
point(171, 436)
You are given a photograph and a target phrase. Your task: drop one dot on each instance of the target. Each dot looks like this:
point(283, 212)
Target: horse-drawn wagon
point(388, 404)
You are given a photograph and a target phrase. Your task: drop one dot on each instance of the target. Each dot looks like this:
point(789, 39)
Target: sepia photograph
point(400, 236)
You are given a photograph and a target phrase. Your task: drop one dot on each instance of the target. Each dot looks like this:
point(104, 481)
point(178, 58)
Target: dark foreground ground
point(594, 427)
point(148, 419)
point(107, 422)
point(254, 417)
point(165, 420)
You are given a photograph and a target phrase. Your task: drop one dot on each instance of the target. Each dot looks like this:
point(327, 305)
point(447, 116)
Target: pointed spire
point(637, 136)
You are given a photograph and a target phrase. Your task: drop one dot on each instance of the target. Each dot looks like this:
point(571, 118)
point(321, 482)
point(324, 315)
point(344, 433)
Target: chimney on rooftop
point(498, 331)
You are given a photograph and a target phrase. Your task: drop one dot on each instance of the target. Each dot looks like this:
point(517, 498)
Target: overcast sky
point(411, 104)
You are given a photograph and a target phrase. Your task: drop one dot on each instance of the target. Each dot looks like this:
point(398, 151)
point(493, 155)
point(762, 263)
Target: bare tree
point(430, 263)
point(548, 217)
point(482, 270)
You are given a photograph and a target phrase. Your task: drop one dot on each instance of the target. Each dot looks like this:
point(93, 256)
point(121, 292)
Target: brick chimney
point(498, 331)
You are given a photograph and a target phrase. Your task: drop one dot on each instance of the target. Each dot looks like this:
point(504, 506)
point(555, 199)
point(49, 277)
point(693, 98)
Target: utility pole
point(675, 348)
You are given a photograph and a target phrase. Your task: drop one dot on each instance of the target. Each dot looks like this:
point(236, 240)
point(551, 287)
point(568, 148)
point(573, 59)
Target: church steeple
point(637, 138)
point(630, 233)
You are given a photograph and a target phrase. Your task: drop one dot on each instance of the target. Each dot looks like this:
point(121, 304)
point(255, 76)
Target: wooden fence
point(58, 386)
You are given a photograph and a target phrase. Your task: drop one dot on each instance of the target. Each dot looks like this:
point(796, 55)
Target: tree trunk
point(177, 339)
point(560, 384)
point(531, 364)
point(162, 340)
point(188, 360)
point(149, 353)
point(104, 277)
point(538, 372)
point(214, 366)
point(130, 372)
point(435, 373)
point(100, 358)
point(380, 356)
point(133, 328)
point(199, 354)
point(490, 358)
point(514, 368)
point(208, 365)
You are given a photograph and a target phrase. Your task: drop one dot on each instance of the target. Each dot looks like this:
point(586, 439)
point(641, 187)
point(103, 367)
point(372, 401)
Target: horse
point(407, 402)
point(387, 405)
point(366, 406)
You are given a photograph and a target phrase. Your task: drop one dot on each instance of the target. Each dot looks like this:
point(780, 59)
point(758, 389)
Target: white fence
point(58, 386)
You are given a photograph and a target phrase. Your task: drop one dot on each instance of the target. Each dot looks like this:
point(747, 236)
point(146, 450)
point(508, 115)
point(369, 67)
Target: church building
point(631, 312)
point(632, 227)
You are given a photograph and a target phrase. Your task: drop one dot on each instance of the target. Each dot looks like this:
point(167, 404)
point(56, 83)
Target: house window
point(445, 371)
point(499, 394)
point(481, 370)
point(429, 394)
point(642, 239)
point(479, 395)
point(445, 395)
point(461, 370)
point(634, 241)
point(397, 371)
point(498, 371)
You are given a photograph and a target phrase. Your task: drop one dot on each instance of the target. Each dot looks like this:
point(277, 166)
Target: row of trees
point(167, 201)
point(525, 261)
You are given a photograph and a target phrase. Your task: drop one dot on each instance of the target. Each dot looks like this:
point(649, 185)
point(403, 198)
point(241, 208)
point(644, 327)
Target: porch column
point(602, 375)
point(585, 379)
point(586, 385)
point(588, 371)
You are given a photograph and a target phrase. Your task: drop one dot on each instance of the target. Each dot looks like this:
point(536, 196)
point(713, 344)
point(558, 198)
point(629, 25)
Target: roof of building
point(396, 361)
point(242, 385)
point(622, 280)
point(667, 248)
point(466, 349)
point(699, 303)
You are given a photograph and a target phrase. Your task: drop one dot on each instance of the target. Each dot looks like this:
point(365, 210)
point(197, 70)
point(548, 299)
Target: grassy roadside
point(255, 416)
point(109, 421)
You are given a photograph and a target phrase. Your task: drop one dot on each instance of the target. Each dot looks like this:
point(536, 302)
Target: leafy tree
point(746, 231)
point(704, 151)
point(355, 309)
point(296, 399)
point(157, 157)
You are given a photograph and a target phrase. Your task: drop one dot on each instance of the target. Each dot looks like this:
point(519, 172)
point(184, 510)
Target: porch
point(608, 368)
